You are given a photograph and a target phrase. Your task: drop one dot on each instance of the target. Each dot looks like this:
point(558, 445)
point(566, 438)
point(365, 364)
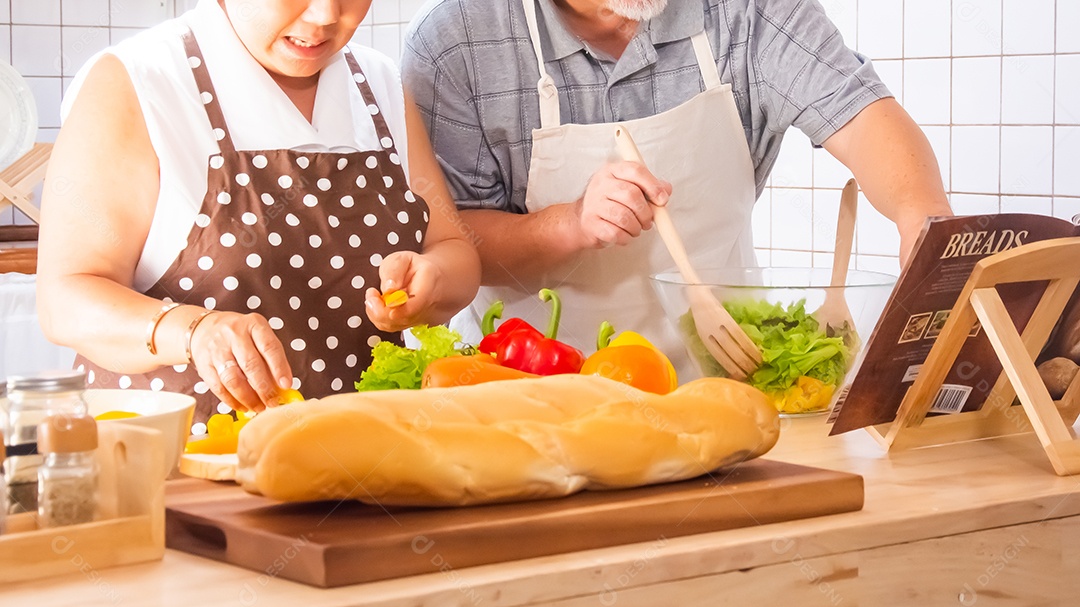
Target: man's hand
point(617, 205)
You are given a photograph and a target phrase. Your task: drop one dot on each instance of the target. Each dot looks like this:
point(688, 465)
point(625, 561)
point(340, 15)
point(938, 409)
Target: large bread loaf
point(501, 441)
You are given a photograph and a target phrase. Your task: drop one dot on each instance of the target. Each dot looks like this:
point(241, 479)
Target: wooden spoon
point(834, 313)
point(723, 337)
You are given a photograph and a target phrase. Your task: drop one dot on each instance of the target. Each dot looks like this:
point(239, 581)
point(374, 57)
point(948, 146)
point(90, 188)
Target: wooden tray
point(331, 544)
point(132, 525)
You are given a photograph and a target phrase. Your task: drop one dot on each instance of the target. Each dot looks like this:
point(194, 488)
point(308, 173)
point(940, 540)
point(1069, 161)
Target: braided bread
point(501, 441)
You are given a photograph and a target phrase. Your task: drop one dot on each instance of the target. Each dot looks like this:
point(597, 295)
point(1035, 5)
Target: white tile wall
point(1027, 89)
point(1067, 89)
point(5, 43)
point(1068, 23)
point(85, 12)
point(926, 86)
point(976, 27)
point(1028, 26)
point(976, 90)
point(994, 83)
point(927, 28)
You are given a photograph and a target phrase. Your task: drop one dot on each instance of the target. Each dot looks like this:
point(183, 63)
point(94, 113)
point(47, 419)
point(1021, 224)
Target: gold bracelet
point(154, 322)
point(191, 331)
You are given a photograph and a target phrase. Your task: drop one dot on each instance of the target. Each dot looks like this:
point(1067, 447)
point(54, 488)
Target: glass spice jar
point(31, 399)
point(68, 478)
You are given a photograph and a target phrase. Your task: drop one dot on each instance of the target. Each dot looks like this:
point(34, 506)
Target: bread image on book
point(922, 299)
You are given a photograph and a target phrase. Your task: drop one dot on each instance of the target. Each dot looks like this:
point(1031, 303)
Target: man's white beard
point(637, 10)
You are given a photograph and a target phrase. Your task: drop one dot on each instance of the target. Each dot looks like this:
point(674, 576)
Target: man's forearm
point(895, 166)
point(517, 248)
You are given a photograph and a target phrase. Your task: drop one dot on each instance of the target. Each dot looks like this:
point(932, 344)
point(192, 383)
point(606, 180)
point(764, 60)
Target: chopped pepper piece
point(393, 299)
point(222, 432)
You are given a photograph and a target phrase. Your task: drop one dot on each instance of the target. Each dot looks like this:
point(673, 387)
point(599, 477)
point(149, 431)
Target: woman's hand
point(413, 273)
point(241, 360)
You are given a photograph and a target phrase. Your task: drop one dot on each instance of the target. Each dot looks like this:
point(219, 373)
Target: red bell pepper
point(524, 348)
point(492, 338)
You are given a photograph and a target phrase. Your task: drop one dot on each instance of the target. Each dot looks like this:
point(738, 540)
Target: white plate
point(18, 116)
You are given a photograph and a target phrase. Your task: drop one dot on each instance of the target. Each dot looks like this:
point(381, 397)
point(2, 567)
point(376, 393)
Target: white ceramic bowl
point(167, 412)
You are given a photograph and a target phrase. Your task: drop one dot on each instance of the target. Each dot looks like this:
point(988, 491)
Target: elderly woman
point(230, 196)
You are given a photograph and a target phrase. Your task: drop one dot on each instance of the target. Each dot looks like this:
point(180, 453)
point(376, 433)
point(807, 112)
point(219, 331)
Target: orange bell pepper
point(640, 366)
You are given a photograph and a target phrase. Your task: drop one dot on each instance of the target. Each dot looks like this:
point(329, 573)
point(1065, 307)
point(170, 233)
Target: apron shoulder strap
point(207, 93)
point(549, 93)
point(710, 72)
point(385, 136)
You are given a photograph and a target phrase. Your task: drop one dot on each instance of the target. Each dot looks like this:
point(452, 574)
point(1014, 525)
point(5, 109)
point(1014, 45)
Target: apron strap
point(385, 136)
point(549, 94)
point(710, 72)
point(207, 93)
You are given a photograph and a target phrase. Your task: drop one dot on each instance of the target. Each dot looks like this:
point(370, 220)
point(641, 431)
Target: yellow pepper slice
point(805, 396)
point(115, 415)
point(393, 299)
point(289, 395)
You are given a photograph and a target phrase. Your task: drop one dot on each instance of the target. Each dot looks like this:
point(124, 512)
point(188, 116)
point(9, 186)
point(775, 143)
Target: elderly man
point(521, 98)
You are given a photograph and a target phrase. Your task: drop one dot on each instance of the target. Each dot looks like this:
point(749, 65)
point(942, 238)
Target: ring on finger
point(225, 366)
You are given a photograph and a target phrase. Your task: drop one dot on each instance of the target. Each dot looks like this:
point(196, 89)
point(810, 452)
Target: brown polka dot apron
point(295, 236)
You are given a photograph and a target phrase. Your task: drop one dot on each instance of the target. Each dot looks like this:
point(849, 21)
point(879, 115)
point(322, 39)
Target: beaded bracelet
point(154, 322)
point(191, 331)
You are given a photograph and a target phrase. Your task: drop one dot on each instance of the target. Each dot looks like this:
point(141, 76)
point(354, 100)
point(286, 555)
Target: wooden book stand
point(18, 181)
point(1054, 260)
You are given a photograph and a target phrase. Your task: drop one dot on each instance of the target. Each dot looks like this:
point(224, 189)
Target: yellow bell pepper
point(630, 338)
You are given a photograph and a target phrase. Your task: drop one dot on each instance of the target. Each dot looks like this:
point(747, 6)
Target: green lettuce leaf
point(792, 345)
point(396, 367)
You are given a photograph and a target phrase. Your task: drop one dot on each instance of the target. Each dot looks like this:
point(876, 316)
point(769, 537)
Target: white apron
point(700, 148)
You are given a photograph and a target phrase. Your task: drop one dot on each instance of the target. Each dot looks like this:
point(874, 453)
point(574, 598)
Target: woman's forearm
point(107, 322)
point(459, 266)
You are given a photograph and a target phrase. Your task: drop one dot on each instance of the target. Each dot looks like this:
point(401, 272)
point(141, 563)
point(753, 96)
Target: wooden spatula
point(723, 337)
point(834, 313)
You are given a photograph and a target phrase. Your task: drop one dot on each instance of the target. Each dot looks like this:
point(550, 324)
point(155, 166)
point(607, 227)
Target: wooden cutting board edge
point(304, 559)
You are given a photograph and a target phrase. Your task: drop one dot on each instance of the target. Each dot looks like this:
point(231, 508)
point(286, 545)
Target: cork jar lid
point(67, 434)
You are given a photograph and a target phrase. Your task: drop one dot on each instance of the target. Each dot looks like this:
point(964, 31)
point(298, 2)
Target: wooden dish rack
point(18, 181)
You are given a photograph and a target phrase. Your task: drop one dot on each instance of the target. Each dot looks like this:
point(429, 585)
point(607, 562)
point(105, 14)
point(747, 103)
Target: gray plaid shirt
point(471, 67)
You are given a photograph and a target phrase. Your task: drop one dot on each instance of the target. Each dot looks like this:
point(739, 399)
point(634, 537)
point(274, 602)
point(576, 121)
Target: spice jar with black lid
point(68, 478)
point(32, 398)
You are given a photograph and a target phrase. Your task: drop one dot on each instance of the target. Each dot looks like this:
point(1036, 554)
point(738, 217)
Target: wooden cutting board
point(331, 544)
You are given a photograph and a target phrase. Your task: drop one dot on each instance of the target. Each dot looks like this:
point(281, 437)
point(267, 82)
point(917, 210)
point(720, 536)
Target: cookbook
point(925, 293)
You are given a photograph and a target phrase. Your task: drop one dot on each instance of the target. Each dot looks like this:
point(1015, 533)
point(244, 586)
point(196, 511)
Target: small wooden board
point(212, 467)
point(131, 521)
point(331, 544)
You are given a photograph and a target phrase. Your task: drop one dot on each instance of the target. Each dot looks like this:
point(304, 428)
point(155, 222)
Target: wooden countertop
point(910, 497)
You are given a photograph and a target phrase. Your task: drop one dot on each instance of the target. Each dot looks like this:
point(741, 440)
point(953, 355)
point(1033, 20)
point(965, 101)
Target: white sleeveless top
point(259, 115)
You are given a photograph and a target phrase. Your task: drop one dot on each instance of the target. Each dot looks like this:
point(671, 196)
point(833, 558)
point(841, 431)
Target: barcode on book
point(951, 398)
point(839, 404)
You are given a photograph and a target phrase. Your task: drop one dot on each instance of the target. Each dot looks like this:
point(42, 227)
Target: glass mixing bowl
point(806, 364)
